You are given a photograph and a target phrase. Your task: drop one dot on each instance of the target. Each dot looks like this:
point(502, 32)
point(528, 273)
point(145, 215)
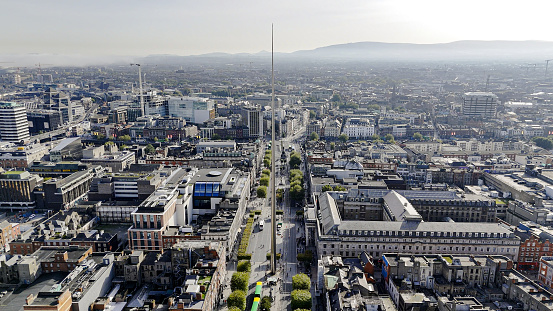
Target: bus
point(258, 290)
point(255, 304)
point(261, 224)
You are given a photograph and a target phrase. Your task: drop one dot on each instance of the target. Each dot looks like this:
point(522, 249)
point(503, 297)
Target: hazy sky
point(98, 27)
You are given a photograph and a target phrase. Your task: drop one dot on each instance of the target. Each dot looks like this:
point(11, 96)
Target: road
point(260, 240)
point(64, 129)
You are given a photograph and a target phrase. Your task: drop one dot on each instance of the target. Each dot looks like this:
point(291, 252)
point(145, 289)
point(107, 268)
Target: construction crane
point(547, 65)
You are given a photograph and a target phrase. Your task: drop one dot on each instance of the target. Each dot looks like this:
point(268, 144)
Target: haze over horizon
point(140, 28)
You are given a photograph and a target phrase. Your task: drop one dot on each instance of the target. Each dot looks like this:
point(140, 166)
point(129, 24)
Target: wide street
point(286, 244)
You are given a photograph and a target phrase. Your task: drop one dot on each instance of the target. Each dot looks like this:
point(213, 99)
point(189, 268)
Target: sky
point(140, 27)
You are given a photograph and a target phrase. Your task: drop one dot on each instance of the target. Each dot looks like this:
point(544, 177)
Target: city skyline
point(139, 28)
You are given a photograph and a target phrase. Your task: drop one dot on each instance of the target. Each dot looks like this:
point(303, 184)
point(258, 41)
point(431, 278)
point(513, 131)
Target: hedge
point(242, 249)
point(244, 266)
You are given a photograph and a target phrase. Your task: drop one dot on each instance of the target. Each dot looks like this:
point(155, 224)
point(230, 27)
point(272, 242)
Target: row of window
point(423, 234)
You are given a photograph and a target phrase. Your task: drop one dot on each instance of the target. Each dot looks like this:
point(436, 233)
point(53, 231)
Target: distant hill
point(531, 51)
point(459, 50)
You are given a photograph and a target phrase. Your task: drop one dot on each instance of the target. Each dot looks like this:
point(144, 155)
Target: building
point(358, 128)
point(480, 105)
point(116, 160)
point(13, 122)
point(545, 274)
point(43, 120)
point(22, 156)
point(192, 109)
point(254, 121)
point(348, 238)
point(64, 259)
point(69, 149)
point(332, 128)
point(49, 301)
point(167, 206)
point(16, 189)
point(62, 193)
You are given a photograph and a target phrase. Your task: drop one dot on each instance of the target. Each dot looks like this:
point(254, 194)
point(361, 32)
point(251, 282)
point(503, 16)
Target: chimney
point(29, 300)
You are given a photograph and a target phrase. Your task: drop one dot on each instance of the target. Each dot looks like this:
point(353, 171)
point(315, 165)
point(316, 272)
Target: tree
point(267, 162)
point(234, 308)
point(339, 188)
point(312, 114)
point(280, 194)
point(265, 304)
point(417, 136)
point(305, 257)
point(216, 137)
point(301, 299)
point(109, 143)
point(389, 138)
point(100, 136)
point(237, 299)
point(336, 98)
point(295, 160)
point(262, 192)
point(314, 136)
point(332, 146)
point(543, 142)
point(239, 281)
point(266, 172)
point(343, 138)
point(375, 137)
point(326, 188)
point(244, 266)
point(150, 149)
point(264, 181)
point(296, 193)
point(301, 281)
point(124, 138)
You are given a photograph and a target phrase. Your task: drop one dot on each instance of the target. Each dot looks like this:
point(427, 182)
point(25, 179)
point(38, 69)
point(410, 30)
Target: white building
point(480, 104)
point(332, 128)
point(192, 109)
point(13, 122)
point(358, 128)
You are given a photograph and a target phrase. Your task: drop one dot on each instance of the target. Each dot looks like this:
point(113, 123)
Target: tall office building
point(254, 120)
point(479, 105)
point(13, 122)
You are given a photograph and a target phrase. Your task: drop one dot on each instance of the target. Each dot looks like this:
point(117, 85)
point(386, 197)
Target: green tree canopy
point(266, 171)
point(332, 146)
point(264, 181)
point(301, 281)
point(314, 136)
point(339, 188)
point(265, 304)
point(417, 136)
point(150, 149)
point(237, 299)
point(124, 138)
point(343, 138)
point(295, 160)
point(301, 299)
point(375, 137)
point(239, 281)
point(244, 266)
point(389, 138)
point(326, 188)
point(312, 114)
point(543, 142)
point(262, 191)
